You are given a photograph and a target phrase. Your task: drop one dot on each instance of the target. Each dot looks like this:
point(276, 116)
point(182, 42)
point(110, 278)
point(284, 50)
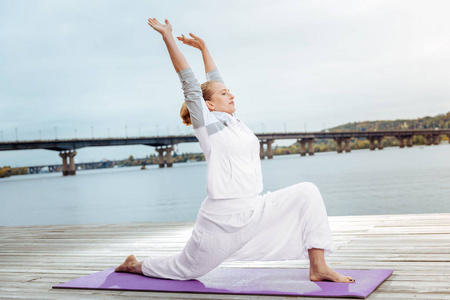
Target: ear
point(210, 105)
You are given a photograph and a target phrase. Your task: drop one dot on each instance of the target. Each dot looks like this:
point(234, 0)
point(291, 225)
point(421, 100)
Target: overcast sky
point(83, 67)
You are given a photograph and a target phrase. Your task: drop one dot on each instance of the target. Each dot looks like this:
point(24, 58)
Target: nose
point(231, 96)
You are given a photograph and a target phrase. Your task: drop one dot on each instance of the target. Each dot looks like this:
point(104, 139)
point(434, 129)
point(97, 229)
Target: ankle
point(137, 267)
point(318, 265)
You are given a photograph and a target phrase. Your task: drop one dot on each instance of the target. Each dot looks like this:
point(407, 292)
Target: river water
point(363, 182)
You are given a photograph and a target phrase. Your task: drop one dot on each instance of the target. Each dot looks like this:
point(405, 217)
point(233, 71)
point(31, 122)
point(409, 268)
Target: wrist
point(167, 35)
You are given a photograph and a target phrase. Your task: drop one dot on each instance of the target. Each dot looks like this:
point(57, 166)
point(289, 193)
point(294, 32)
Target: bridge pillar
point(262, 155)
point(372, 144)
point(169, 156)
point(269, 149)
point(52, 169)
point(302, 147)
point(347, 145)
point(34, 170)
point(409, 141)
point(380, 143)
point(72, 169)
point(65, 168)
point(310, 146)
point(436, 140)
point(401, 142)
point(428, 139)
point(339, 145)
point(160, 157)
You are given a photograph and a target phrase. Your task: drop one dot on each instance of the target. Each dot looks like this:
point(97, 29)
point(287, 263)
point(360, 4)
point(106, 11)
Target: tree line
point(441, 121)
point(7, 171)
point(153, 159)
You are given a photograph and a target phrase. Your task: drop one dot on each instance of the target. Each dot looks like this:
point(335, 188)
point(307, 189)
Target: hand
point(163, 29)
point(196, 42)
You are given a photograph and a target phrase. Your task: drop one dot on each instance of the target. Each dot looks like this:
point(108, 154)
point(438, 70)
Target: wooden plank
point(33, 258)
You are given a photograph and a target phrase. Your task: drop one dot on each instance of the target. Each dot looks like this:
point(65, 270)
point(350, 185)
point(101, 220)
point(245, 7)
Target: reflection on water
point(391, 181)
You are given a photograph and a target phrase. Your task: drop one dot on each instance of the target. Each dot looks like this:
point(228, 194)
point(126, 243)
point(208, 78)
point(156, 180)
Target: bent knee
point(308, 187)
point(311, 191)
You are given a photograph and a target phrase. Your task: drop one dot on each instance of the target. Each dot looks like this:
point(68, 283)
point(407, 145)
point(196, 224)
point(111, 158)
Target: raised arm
point(190, 85)
point(211, 70)
point(178, 60)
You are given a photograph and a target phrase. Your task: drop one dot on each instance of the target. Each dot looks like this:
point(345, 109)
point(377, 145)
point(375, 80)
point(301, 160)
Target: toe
point(118, 269)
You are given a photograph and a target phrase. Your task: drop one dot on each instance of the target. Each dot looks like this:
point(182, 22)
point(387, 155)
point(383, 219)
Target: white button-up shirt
point(231, 149)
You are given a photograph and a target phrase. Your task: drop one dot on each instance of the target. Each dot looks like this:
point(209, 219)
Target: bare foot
point(328, 274)
point(130, 265)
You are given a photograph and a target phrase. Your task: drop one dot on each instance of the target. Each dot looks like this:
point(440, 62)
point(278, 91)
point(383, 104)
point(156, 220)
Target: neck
point(231, 114)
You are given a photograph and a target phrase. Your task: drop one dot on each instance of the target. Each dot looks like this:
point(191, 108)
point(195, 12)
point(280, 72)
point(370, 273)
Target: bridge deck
point(32, 259)
point(157, 141)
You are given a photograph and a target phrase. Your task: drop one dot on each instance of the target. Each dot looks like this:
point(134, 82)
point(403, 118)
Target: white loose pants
point(280, 225)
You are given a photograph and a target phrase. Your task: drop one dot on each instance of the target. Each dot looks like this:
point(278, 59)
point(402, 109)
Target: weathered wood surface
point(34, 258)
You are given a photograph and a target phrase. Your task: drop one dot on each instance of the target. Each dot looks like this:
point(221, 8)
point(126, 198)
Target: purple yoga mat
point(294, 282)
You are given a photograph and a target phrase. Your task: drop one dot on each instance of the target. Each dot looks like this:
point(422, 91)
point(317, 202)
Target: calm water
point(363, 182)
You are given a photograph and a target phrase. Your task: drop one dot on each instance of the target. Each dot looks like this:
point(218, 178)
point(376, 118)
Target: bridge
point(59, 167)
point(67, 148)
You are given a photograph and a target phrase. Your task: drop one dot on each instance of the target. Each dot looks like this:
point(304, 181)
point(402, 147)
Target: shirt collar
point(224, 117)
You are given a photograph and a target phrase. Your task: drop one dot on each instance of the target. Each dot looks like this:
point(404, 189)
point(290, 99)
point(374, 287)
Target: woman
point(235, 222)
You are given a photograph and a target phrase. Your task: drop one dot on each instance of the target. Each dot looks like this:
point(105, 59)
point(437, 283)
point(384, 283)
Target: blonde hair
point(185, 115)
point(206, 93)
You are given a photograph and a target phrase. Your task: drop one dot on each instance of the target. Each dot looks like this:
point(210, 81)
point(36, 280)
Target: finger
point(191, 34)
point(167, 21)
point(196, 37)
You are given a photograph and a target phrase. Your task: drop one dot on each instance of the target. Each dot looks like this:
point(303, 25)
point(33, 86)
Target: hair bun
point(185, 115)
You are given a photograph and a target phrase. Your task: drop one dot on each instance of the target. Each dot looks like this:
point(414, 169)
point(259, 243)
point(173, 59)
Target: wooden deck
point(34, 258)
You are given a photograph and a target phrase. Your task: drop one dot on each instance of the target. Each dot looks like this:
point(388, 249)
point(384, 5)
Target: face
point(221, 99)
